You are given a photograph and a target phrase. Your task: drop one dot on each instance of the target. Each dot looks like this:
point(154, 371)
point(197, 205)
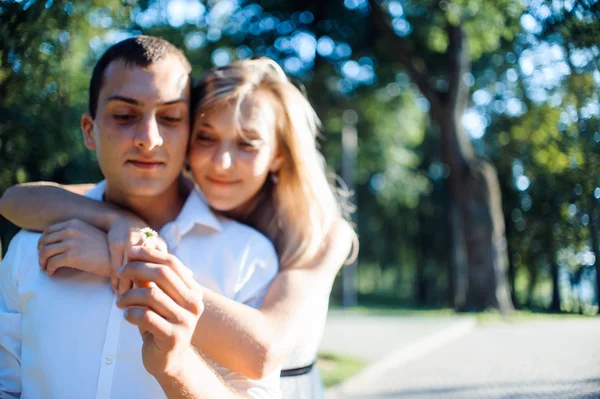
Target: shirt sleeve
point(10, 323)
point(260, 266)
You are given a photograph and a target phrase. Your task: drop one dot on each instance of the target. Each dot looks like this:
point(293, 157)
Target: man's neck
point(155, 210)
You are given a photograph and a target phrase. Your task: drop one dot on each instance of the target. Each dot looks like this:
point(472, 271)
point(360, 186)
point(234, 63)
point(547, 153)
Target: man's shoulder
point(25, 240)
point(22, 250)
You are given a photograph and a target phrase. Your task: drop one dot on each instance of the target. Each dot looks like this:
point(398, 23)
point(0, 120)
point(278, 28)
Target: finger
point(193, 297)
point(55, 227)
point(51, 238)
point(117, 259)
point(161, 245)
point(150, 322)
point(165, 278)
point(60, 226)
point(183, 272)
point(123, 285)
point(48, 251)
point(154, 299)
point(56, 262)
point(147, 254)
point(151, 255)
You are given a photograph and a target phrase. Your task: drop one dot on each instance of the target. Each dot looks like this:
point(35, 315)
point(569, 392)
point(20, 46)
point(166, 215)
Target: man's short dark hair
point(140, 51)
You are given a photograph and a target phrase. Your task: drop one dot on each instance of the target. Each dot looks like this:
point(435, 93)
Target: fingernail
point(120, 269)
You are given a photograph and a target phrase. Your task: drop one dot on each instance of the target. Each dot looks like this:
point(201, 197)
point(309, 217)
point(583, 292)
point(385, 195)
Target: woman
point(253, 155)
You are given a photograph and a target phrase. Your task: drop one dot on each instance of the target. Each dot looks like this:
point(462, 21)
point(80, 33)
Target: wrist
point(177, 368)
point(110, 219)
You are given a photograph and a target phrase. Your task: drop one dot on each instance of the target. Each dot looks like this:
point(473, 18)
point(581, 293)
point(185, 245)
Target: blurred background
point(469, 130)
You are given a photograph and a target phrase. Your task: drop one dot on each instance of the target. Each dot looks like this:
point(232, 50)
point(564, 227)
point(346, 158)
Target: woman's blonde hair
point(297, 207)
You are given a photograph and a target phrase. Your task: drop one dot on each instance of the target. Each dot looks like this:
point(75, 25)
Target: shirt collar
point(196, 211)
point(97, 192)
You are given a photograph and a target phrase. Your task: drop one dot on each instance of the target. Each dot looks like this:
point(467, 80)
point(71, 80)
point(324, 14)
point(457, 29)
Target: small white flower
point(147, 232)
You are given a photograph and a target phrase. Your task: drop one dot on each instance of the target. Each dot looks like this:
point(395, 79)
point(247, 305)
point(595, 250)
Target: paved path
point(372, 337)
point(550, 359)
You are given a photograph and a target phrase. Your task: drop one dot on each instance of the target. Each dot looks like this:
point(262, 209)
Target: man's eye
point(171, 119)
point(123, 117)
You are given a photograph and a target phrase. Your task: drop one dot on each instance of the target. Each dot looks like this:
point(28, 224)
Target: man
point(65, 336)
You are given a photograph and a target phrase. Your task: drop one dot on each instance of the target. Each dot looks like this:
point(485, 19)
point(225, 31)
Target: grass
point(335, 368)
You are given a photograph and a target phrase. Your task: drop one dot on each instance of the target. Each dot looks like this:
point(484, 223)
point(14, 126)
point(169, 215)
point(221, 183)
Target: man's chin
point(145, 187)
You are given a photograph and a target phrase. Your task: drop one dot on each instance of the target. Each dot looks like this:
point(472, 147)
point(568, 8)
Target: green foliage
point(486, 23)
point(331, 48)
point(44, 73)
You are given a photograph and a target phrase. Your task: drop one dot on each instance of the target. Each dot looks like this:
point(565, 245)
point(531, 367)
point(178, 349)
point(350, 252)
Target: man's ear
point(87, 126)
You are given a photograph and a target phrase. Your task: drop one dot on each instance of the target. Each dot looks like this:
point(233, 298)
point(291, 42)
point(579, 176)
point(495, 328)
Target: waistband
point(297, 371)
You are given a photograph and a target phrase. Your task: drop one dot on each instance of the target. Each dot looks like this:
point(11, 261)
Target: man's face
point(141, 128)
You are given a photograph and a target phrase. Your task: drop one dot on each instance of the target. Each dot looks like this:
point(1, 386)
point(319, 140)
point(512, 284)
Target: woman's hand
point(122, 236)
point(74, 244)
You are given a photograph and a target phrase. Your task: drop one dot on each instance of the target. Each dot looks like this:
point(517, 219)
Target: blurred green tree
point(45, 66)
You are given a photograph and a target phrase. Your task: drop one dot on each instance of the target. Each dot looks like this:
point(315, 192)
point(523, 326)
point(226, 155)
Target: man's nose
point(148, 134)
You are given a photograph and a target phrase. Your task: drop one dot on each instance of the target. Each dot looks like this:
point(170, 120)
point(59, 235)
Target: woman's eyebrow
point(251, 129)
point(204, 125)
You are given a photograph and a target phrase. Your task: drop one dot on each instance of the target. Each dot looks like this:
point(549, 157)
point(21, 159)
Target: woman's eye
point(249, 145)
point(205, 138)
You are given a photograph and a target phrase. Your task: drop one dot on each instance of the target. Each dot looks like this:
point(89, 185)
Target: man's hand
point(122, 236)
point(165, 304)
point(74, 244)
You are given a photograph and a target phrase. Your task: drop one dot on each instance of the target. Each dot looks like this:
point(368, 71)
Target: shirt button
point(108, 360)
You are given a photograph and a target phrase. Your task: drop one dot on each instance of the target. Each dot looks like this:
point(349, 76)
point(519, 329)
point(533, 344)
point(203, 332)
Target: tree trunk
point(478, 229)
point(555, 303)
point(423, 242)
point(512, 268)
point(533, 277)
point(595, 249)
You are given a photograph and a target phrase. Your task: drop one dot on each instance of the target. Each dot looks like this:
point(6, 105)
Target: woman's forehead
point(257, 108)
point(256, 113)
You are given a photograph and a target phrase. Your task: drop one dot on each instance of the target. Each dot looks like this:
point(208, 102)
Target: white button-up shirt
point(64, 337)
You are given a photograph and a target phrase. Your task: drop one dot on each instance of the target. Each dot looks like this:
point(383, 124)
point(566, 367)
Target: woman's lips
point(221, 182)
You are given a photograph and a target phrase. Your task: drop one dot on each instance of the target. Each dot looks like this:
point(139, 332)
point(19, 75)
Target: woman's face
point(230, 166)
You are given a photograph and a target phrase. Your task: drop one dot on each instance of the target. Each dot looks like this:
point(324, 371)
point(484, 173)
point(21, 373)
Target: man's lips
point(145, 164)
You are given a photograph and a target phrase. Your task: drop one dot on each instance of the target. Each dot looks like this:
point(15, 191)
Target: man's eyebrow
point(138, 103)
point(179, 100)
point(127, 100)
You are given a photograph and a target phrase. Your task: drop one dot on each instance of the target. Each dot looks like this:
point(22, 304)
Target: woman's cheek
point(258, 162)
point(197, 156)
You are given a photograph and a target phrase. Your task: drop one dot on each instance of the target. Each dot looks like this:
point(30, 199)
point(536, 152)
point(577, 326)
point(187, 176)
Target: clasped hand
point(159, 293)
point(79, 245)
